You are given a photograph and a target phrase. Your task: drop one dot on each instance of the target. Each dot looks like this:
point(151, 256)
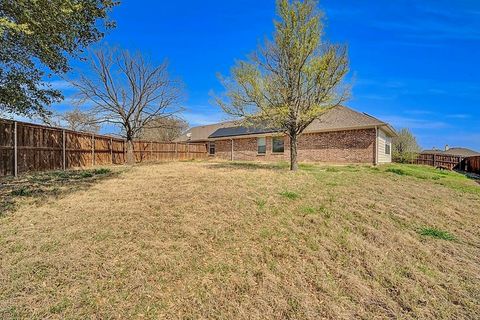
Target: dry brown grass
point(243, 241)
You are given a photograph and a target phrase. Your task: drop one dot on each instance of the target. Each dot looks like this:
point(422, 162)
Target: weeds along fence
point(26, 147)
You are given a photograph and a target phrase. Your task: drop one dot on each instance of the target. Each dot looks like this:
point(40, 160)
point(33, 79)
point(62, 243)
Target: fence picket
point(32, 147)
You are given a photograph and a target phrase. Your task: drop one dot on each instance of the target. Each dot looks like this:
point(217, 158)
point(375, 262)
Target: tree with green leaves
point(405, 146)
point(38, 37)
point(292, 80)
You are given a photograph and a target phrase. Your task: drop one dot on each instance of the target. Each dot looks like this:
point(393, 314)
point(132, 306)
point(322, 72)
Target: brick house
point(341, 135)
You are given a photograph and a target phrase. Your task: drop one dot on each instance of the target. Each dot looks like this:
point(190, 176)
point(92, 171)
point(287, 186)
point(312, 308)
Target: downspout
point(231, 153)
point(376, 145)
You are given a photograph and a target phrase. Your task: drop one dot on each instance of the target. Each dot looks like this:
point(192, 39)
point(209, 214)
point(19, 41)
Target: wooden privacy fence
point(472, 164)
point(439, 160)
point(26, 147)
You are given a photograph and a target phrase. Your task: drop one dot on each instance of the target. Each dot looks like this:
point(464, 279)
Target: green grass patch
point(290, 195)
point(261, 203)
point(398, 171)
point(21, 192)
point(449, 179)
point(86, 174)
point(436, 233)
point(309, 210)
point(102, 171)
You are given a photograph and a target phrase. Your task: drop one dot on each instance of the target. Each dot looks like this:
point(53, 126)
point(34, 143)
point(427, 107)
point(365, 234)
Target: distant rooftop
point(456, 151)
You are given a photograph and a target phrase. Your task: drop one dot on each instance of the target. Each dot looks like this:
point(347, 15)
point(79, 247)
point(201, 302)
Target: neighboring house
point(454, 151)
point(341, 135)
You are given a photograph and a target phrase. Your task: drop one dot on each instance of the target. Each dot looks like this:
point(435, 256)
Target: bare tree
point(293, 79)
point(163, 129)
point(128, 91)
point(76, 120)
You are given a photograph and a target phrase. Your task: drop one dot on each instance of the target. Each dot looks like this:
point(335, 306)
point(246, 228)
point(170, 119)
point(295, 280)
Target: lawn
point(226, 240)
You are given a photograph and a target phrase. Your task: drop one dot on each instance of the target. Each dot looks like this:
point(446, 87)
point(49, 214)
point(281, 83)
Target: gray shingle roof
point(240, 131)
point(342, 117)
point(201, 133)
point(337, 118)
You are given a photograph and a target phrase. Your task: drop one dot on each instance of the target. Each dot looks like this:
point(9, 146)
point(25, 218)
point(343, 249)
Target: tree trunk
point(293, 152)
point(130, 154)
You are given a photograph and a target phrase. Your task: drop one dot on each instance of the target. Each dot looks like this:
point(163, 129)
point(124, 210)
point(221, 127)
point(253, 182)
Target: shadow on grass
point(40, 187)
point(470, 175)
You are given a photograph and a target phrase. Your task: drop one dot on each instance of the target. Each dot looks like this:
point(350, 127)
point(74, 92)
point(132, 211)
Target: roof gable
point(342, 117)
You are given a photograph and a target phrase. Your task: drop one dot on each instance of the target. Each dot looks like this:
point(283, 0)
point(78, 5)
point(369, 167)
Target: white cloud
point(458, 116)
point(61, 85)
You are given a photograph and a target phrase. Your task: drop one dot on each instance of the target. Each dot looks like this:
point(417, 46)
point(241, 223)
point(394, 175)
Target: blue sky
point(415, 64)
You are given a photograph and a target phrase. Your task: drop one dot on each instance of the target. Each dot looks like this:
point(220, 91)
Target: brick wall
point(351, 146)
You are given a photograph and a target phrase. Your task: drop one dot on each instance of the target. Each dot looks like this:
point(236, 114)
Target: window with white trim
point(261, 145)
point(278, 145)
point(387, 148)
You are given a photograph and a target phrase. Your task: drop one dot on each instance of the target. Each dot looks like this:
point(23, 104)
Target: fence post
point(188, 151)
point(64, 161)
point(93, 149)
point(124, 152)
point(176, 150)
point(15, 150)
point(151, 151)
point(111, 150)
point(434, 160)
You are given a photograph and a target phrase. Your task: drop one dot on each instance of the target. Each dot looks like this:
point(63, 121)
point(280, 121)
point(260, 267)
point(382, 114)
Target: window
point(277, 144)
point(211, 148)
point(261, 145)
point(387, 148)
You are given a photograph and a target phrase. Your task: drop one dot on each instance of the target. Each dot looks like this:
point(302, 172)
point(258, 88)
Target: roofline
point(246, 134)
point(250, 135)
point(392, 130)
point(274, 133)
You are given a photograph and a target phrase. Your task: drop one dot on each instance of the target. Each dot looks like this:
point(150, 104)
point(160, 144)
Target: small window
point(211, 148)
point(261, 145)
point(387, 148)
point(278, 144)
